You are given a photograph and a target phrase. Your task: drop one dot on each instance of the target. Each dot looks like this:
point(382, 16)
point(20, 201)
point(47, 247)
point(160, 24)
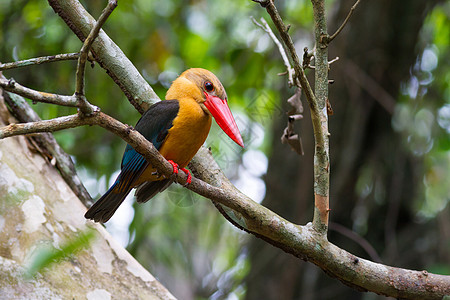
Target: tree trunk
point(375, 51)
point(37, 208)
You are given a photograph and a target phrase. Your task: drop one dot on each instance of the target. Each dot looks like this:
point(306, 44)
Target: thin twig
point(329, 63)
point(333, 60)
point(290, 71)
point(39, 60)
point(345, 22)
point(37, 96)
point(287, 40)
point(85, 106)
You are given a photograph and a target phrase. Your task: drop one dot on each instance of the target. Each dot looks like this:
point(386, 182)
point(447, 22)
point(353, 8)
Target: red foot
point(174, 165)
point(189, 176)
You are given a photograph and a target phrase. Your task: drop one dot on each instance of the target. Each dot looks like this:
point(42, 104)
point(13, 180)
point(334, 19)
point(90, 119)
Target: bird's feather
point(149, 189)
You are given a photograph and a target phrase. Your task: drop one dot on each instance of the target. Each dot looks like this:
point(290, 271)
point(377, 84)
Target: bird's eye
point(209, 87)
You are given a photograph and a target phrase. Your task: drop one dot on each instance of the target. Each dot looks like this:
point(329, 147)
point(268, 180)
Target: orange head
point(206, 89)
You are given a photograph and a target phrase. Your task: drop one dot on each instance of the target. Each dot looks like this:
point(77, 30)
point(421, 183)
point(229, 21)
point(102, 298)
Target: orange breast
point(188, 133)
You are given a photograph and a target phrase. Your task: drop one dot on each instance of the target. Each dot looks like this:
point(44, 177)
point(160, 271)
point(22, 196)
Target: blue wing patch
point(131, 171)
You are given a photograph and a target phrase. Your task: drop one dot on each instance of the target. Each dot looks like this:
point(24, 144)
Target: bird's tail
point(149, 189)
point(106, 206)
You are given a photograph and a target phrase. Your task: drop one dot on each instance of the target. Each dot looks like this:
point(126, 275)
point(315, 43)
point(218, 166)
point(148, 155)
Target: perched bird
point(177, 127)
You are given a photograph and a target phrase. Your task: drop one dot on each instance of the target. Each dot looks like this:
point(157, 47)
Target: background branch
point(290, 72)
point(370, 85)
point(357, 239)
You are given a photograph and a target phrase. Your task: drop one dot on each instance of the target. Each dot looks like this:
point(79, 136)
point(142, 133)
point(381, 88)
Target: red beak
point(221, 112)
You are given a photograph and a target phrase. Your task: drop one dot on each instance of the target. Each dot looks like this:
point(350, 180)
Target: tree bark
point(38, 208)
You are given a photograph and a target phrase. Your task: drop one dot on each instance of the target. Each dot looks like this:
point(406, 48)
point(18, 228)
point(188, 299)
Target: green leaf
point(46, 255)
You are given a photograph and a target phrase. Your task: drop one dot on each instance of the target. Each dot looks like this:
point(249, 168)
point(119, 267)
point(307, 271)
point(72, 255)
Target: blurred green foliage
point(423, 112)
point(47, 253)
point(181, 238)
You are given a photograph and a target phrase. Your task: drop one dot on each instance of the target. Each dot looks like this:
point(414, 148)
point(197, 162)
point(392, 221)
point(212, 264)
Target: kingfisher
point(177, 127)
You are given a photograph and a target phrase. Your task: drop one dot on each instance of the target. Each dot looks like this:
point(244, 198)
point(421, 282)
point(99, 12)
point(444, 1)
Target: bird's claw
point(176, 167)
point(189, 176)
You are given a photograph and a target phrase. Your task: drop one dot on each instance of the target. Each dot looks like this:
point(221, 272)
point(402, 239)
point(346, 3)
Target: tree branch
point(56, 124)
point(344, 23)
point(38, 61)
point(37, 96)
point(129, 135)
point(321, 155)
